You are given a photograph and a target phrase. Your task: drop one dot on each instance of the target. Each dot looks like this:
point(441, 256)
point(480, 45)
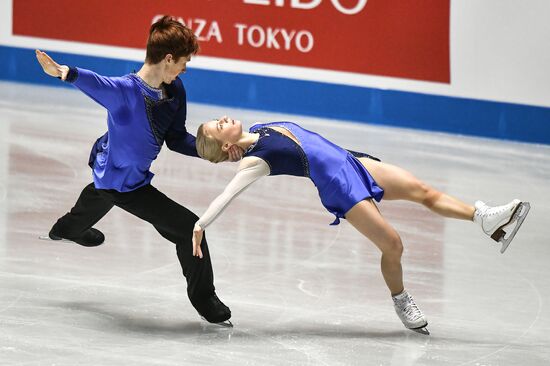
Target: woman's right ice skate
point(501, 223)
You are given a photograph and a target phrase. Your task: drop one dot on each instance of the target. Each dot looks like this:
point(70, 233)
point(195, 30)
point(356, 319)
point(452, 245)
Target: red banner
point(398, 38)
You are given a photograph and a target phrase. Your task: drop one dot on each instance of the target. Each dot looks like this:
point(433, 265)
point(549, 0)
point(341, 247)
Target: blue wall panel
point(368, 105)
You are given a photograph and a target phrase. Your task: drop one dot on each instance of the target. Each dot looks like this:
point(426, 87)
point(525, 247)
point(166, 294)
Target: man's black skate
point(214, 311)
point(90, 238)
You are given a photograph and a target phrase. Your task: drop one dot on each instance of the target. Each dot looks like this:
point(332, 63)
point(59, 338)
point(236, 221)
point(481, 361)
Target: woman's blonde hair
point(209, 148)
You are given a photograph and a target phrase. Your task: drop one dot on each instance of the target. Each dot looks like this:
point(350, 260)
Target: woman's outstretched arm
point(250, 170)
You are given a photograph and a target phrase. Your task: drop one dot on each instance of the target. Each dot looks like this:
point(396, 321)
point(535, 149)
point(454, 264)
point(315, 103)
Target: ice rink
point(301, 292)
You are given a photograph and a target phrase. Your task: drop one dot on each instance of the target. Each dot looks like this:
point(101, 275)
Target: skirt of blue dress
point(351, 185)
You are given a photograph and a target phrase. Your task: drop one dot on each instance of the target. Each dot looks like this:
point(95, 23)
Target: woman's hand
point(51, 67)
point(197, 240)
point(235, 153)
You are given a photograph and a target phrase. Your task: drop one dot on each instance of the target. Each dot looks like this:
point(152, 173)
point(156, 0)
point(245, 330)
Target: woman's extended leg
point(366, 218)
point(496, 222)
point(399, 184)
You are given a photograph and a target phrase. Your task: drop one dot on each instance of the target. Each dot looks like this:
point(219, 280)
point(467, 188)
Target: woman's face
point(225, 130)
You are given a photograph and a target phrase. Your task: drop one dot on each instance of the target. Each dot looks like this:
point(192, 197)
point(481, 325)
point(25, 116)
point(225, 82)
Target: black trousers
point(173, 221)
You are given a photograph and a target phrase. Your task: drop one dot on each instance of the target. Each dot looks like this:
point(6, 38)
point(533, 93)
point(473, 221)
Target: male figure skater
point(145, 110)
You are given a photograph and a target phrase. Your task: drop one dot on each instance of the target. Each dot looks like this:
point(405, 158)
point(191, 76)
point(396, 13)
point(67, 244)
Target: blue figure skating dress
point(341, 179)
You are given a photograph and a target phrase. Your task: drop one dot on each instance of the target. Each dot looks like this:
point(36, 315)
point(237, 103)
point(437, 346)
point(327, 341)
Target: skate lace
point(410, 309)
point(486, 212)
point(496, 210)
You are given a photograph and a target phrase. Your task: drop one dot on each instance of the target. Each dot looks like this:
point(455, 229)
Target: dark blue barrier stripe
point(368, 105)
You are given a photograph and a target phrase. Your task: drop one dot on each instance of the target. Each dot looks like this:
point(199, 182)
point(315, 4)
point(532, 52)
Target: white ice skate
point(409, 313)
point(501, 223)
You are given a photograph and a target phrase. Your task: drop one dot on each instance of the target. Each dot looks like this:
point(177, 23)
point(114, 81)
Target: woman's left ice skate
point(412, 317)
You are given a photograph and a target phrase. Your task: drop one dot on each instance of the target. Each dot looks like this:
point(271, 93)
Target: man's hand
point(51, 67)
point(235, 153)
point(197, 239)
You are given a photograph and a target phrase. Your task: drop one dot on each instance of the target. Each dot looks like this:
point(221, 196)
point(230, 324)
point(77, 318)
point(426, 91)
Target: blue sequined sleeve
point(177, 138)
point(107, 91)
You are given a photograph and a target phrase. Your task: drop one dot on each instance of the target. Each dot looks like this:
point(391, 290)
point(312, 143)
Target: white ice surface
point(301, 292)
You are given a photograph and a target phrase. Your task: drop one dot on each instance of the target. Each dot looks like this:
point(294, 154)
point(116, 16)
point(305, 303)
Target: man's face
point(173, 69)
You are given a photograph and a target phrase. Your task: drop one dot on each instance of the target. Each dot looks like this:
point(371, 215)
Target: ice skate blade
point(518, 217)
point(224, 324)
point(46, 237)
point(423, 331)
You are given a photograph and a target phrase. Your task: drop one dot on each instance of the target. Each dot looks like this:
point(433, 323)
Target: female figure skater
point(348, 183)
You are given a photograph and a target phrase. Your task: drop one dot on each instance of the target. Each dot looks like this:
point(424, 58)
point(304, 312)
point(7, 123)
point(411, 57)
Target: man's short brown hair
point(168, 36)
